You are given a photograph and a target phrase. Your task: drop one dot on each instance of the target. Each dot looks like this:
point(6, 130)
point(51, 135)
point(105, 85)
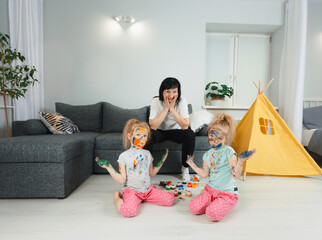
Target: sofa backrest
point(115, 118)
point(88, 118)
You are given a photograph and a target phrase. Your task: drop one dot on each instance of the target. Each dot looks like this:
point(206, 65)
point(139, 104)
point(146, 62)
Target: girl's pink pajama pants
point(215, 203)
point(132, 199)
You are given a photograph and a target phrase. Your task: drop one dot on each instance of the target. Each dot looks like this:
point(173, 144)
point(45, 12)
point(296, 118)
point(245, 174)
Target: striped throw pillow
point(58, 124)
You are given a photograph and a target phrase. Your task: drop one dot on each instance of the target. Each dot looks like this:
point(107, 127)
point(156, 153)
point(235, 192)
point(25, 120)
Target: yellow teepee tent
point(278, 150)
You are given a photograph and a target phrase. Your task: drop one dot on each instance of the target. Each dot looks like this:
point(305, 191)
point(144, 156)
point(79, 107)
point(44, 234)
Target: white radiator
point(312, 102)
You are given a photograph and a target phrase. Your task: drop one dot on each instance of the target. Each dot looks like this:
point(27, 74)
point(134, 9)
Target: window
point(236, 60)
point(266, 126)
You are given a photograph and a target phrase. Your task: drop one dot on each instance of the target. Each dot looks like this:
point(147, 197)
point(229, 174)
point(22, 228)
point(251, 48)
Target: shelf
point(8, 107)
point(210, 107)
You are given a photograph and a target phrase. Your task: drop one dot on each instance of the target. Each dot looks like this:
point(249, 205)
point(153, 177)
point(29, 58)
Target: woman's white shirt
point(169, 123)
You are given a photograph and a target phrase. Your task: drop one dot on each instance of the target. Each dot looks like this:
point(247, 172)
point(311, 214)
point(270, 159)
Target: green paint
point(102, 162)
point(159, 163)
point(162, 158)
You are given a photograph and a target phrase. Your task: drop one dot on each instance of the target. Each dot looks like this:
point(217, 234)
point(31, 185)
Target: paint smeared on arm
point(202, 172)
point(155, 170)
point(163, 158)
point(118, 177)
point(236, 169)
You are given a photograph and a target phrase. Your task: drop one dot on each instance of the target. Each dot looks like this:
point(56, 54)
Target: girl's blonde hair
point(129, 128)
point(224, 123)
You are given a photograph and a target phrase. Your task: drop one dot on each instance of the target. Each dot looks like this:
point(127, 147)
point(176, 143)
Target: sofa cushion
point(46, 148)
point(58, 124)
point(312, 117)
point(36, 127)
point(203, 131)
point(109, 141)
point(88, 118)
point(115, 118)
point(200, 119)
point(202, 143)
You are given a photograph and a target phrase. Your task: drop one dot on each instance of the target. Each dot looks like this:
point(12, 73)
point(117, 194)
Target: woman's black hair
point(170, 83)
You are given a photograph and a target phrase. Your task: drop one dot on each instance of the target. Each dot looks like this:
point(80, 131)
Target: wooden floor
point(269, 208)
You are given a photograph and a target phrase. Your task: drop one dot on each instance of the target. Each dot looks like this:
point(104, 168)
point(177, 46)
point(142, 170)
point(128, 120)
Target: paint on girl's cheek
point(218, 146)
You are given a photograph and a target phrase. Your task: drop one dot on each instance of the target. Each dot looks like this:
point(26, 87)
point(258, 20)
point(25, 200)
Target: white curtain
point(293, 65)
point(26, 35)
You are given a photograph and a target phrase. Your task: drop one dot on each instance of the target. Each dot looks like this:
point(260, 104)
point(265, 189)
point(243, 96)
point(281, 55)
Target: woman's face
point(139, 137)
point(170, 95)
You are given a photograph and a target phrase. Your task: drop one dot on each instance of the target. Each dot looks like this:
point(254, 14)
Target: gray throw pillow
point(115, 118)
point(36, 127)
point(203, 131)
point(312, 117)
point(88, 118)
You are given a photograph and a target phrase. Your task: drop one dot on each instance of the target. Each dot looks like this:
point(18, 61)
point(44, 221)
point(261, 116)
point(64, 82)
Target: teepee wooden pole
point(268, 85)
point(256, 86)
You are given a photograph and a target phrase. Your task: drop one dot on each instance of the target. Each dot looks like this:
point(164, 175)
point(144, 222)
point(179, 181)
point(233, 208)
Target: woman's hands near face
point(172, 102)
point(170, 97)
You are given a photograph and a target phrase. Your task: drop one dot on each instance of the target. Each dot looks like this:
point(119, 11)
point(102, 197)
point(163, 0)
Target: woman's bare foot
point(117, 197)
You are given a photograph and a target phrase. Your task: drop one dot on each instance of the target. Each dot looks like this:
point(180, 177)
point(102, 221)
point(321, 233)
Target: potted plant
point(14, 78)
point(217, 91)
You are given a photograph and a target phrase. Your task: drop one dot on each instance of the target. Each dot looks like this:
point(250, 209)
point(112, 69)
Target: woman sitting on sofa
point(169, 120)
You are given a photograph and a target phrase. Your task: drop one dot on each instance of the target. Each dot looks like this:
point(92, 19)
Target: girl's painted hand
point(189, 159)
point(247, 154)
point(102, 163)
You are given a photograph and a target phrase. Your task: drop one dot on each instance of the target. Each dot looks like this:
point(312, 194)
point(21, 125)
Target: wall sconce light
point(125, 19)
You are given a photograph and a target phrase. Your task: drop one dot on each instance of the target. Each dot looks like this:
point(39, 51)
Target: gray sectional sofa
point(37, 164)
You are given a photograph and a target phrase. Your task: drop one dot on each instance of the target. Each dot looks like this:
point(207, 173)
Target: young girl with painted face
point(221, 165)
point(136, 169)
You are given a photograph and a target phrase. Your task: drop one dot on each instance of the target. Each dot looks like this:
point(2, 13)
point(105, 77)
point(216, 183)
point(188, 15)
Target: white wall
point(90, 58)
point(276, 53)
point(313, 76)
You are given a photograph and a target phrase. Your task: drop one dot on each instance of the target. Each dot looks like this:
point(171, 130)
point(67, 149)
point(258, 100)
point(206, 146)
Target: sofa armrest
point(29, 127)
point(18, 128)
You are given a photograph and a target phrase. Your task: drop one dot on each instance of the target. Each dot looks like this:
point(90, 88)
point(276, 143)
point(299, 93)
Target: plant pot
point(218, 101)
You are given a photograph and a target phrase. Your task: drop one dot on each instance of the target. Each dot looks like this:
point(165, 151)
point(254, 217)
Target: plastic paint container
point(162, 183)
point(175, 192)
point(169, 182)
point(196, 178)
point(189, 194)
point(194, 185)
point(168, 187)
point(189, 184)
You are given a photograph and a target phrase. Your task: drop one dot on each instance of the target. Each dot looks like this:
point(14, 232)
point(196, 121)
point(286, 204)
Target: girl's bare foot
point(117, 195)
point(118, 199)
